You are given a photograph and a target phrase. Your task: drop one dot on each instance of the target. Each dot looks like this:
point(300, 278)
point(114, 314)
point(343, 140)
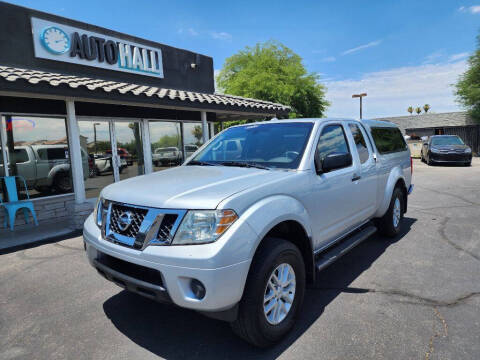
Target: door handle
point(356, 177)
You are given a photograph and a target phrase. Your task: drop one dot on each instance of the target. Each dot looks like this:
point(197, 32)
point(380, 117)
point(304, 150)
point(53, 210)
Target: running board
point(336, 251)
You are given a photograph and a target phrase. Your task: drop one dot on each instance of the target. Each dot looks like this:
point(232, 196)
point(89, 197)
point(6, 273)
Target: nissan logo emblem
point(125, 220)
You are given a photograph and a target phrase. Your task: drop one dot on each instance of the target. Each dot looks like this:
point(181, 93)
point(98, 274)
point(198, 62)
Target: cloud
point(328, 59)
point(190, 31)
point(434, 57)
point(456, 57)
point(361, 47)
point(221, 35)
point(475, 9)
point(390, 92)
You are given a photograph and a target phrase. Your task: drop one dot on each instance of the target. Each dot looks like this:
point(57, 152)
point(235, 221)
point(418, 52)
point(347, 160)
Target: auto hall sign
point(69, 44)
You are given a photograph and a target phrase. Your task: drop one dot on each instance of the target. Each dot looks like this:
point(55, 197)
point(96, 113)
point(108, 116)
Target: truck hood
point(189, 187)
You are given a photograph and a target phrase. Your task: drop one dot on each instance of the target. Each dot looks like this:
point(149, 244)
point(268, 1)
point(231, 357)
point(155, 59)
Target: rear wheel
point(390, 223)
point(273, 294)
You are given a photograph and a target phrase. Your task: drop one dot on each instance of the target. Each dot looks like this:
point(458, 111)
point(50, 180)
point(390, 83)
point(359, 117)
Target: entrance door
point(96, 145)
point(129, 145)
point(114, 149)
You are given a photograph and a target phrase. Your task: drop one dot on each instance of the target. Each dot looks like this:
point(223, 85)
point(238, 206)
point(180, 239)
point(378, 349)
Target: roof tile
point(55, 79)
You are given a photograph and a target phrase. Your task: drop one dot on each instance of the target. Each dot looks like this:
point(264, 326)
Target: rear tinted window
point(52, 153)
point(388, 140)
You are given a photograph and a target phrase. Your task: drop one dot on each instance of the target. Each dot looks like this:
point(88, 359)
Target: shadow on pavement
point(175, 333)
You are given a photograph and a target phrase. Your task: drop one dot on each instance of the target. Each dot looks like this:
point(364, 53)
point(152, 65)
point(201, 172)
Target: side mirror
point(335, 161)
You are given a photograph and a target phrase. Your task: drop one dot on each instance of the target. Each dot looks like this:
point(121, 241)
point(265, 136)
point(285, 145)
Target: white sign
point(69, 44)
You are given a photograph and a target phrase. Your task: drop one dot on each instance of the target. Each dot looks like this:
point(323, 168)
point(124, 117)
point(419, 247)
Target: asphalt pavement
point(416, 297)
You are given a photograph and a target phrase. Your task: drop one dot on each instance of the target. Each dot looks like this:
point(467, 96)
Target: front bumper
point(222, 275)
point(452, 157)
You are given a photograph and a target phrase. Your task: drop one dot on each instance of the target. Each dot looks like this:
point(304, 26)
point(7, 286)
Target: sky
point(401, 53)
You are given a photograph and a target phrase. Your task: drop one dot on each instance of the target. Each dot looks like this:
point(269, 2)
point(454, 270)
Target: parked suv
point(237, 235)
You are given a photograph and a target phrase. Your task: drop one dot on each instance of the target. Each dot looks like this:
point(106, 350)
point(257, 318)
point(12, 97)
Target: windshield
point(273, 145)
point(447, 140)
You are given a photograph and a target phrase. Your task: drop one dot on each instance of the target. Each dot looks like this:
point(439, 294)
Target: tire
point(252, 324)
point(429, 161)
point(387, 225)
point(62, 182)
point(468, 164)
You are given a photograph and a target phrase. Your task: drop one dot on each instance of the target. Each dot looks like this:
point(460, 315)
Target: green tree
point(410, 109)
point(198, 133)
point(468, 86)
point(270, 71)
point(426, 107)
point(418, 110)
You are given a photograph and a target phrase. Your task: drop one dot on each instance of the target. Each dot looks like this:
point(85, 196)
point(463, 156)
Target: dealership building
point(82, 107)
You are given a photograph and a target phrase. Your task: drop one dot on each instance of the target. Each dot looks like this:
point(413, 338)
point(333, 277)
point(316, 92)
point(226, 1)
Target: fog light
point(197, 288)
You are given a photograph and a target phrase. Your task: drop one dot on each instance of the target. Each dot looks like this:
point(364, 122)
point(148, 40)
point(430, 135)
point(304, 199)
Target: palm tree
point(426, 107)
point(410, 109)
point(418, 110)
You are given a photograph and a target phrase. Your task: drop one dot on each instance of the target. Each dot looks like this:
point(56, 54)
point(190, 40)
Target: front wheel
point(390, 223)
point(273, 294)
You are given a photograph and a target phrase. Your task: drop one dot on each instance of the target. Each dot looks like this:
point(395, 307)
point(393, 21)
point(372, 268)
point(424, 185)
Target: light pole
point(95, 136)
point(360, 96)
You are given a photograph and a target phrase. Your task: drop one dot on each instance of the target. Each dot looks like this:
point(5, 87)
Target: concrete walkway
point(29, 235)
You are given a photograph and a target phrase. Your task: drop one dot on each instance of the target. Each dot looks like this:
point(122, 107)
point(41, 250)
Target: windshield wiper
point(200, 163)
point(244, 164)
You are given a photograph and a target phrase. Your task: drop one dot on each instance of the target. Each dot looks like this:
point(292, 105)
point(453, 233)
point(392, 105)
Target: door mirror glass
point(334, 161)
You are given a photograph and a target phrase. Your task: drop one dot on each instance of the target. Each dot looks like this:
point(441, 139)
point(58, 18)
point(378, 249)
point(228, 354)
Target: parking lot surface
point(416, 297)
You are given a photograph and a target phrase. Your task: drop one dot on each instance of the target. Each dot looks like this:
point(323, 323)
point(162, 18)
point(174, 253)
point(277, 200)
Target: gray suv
point(245, 223)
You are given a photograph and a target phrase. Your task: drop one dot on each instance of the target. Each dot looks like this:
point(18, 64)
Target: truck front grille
point(131, 225)
point(137, 216)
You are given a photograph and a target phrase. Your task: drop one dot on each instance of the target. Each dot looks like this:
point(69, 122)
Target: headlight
point(203, 226)
point(468, 150)
point(434, 150)
point(100, 207)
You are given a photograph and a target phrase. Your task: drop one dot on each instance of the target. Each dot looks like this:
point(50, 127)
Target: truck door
point(366, 172)
point(332, 198)
point(25, 164)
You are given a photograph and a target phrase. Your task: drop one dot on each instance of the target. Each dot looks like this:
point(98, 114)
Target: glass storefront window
point(192, 138)
point(166, 144)
point(37, 149)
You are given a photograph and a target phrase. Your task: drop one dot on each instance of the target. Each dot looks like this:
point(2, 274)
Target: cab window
point(360, 142)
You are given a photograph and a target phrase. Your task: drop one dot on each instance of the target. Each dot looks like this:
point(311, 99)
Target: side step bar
point(336, 251)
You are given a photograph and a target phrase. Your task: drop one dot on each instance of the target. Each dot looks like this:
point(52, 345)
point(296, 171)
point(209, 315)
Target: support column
point(75, 153)
point(147, 148)
point(3, 147)
point(204, 126)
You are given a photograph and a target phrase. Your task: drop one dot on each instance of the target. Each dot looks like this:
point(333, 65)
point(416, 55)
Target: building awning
point(35, 81)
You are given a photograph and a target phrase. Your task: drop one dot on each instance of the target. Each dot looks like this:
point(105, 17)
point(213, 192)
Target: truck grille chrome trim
point(138, 226)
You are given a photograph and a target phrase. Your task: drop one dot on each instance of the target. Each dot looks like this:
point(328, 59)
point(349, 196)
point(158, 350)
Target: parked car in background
point(167, 156)
point(446, 149)
point(124, 155)
point(103, 163)
point(189, 150)
point(238, 230)
point(45, 168)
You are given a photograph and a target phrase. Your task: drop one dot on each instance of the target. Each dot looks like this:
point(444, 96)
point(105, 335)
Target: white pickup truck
point(238, 231)
point(44, 167)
